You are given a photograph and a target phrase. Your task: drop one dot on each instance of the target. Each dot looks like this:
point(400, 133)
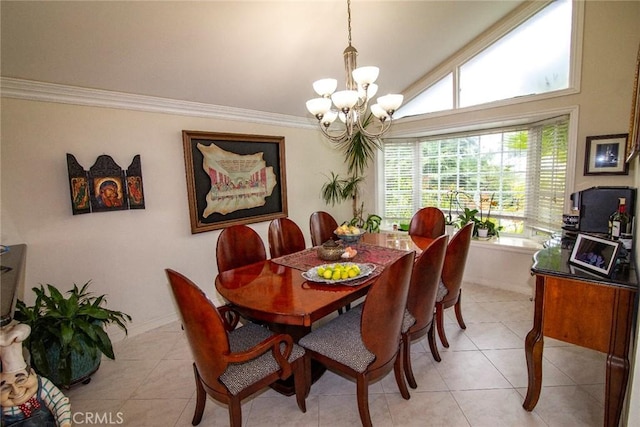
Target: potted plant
point(67, 337)
point(450, 223)
point(358, 151)
point(485, 226)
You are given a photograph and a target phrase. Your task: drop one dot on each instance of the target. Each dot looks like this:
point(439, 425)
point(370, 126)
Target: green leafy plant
point(73, 325)
point(358, 151)
point(481, 221)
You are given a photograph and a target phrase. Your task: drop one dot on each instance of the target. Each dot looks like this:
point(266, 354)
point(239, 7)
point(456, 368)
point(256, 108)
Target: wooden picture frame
point(606, 155)
point(234, 179)
point(595, 254)
point(633, 142)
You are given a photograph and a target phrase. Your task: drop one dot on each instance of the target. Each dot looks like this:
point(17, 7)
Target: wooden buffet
point(578, 307)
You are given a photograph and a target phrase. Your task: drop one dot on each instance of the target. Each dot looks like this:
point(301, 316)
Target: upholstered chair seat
point(239, 376)
point(341, 340)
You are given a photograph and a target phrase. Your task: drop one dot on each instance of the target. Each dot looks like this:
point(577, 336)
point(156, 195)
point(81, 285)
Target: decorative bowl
point(330, 251)
point(350, 239)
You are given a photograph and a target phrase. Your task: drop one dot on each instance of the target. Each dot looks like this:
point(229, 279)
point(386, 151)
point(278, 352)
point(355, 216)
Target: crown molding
point(64, 94)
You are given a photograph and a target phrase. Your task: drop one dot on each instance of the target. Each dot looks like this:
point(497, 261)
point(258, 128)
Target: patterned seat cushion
point(341, 340)
point(240, 375)
point(407, 321)
point(442, 291)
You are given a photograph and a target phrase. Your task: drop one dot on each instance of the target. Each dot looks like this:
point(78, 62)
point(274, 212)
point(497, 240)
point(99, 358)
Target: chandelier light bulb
point(350, 116)
point(319, 106)
point(365, 75)
point(345, 99)
point(390, 103)
point(325, 87)
point(379, 112)
point(328, 118)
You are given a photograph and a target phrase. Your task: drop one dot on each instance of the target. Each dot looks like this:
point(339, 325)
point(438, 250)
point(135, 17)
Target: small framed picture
point(606, 155)
point(595, 254)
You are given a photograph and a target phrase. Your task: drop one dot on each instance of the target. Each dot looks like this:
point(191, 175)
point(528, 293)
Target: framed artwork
point(234, 179)
point(633, 143)
point(606, 155)
point(78, 186)
point(108, 188)
point(105, 187)
point(595, 254)
point(135, 191)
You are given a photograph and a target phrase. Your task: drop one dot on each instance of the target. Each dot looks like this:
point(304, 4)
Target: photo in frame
point(234, 179)
point(595, 254)
point(606, 155)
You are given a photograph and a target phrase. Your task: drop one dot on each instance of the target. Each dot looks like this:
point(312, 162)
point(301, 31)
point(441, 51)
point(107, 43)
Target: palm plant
point(358, 151)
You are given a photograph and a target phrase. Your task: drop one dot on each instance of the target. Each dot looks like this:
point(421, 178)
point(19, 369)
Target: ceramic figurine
point(28, 400)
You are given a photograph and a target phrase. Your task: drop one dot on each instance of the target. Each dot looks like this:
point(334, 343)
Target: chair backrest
point(322, 225)
point(425, 277)
point(285, 237)
point(238, 245)
point(455, 261)
point(204, 328)
point(383, 310)
point(427, 222)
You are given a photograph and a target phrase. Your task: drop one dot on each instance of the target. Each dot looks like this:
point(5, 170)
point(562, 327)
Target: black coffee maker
point(596, 204)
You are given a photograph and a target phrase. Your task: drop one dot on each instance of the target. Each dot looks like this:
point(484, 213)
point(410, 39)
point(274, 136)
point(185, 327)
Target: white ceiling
point(257, 55)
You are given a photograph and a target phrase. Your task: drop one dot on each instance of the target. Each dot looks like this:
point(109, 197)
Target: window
point(533, 58)
point(521, 169)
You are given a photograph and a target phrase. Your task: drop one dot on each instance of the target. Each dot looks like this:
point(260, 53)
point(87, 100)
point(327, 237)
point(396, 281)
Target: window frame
point(501, 29)
point(505, 121)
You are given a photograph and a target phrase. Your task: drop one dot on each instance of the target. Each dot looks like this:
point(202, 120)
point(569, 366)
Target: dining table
point(276, 293)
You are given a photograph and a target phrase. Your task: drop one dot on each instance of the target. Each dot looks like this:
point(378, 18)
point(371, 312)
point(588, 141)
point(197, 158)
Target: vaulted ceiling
point(257, 55)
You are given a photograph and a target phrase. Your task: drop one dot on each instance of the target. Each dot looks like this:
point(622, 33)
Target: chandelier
point(350, 105)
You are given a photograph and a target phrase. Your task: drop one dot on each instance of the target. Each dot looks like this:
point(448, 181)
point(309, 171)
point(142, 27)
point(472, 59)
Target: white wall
point(125, 253)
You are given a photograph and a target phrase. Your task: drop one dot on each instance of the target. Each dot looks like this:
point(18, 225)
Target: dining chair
point(322, 225)
point(230, 362)
point(427, 222)
point(421, 303)
point(449, 289)
point(285, 237)
point(238, 245)
point(364, 343)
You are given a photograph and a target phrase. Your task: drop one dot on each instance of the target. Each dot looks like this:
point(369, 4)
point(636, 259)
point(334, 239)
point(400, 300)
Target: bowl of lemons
point(349, 234)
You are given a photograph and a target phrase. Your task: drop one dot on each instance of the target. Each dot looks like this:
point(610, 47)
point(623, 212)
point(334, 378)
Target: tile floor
point(481, 381)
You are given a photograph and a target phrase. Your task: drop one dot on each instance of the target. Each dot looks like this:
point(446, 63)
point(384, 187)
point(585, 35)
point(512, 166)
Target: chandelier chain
point(349, 19)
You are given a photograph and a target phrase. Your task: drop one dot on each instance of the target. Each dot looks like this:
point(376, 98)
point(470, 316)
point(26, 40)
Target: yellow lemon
point(336, 275)
point(327, 274)
point(344, 274)
point(353, 272)
point(357, 269)
point(320, 271)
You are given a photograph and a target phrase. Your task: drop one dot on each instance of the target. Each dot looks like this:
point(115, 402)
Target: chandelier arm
point(385, 127)
point(337, 138)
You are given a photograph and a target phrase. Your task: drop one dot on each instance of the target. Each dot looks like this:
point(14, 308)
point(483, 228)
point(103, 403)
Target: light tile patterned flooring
point(481, 381)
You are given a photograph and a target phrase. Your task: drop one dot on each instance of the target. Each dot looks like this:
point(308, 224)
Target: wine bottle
point(620, 221)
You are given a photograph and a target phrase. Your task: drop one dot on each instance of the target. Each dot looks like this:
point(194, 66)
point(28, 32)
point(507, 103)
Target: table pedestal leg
point(286, 387)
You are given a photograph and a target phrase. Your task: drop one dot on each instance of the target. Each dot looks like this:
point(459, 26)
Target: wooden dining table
point(274, 291)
